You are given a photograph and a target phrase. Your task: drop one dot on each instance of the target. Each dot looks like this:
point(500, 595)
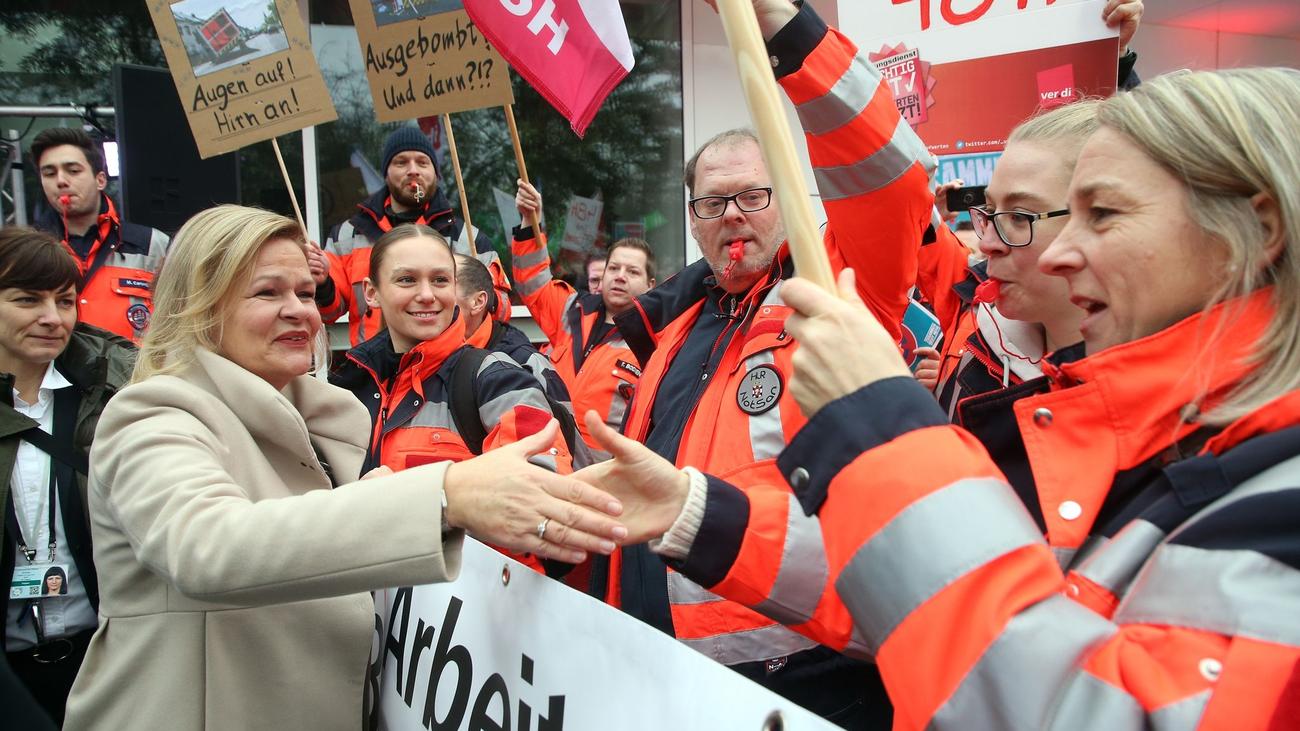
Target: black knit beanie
point(404, 139)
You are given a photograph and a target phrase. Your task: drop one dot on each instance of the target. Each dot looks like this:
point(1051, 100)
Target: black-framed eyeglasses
point(1014, 228)
point(748, 201)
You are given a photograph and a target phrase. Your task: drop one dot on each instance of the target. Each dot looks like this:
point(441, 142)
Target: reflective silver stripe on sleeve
point(538, 365)
point(845, 101)
point(564, 313)
point(433, 414)
point(801, 578)
point(931, 543)
point(348, 240)
point(877, 170)
point(1090, 703)
point(682, 590)
point(766, 436)
point(1064, 556)
point(1185, 715)
point(617, 410)
point(857, 647)
point(1024, 669)
point(531, 259)
point(532, 286)
point(764, 643)
point(493, 411)
point(1234, 593)
point(1114, 565)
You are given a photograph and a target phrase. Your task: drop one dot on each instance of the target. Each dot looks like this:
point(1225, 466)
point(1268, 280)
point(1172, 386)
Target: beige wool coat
point(233, 580)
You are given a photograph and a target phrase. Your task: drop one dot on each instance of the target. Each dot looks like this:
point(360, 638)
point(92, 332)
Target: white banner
point(506, 648)
point(582, 224)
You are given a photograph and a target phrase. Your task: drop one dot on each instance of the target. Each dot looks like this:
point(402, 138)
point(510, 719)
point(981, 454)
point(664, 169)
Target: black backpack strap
point(464, 400)
point(59, 445)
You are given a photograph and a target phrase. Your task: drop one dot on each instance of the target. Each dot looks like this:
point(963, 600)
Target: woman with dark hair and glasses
point(57, 376)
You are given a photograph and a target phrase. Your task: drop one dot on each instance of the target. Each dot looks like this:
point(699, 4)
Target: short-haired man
point(117, 260)
point(477, 301)
point(595, 269)
point(714, 394)
point(411, 195)
point(586, 347)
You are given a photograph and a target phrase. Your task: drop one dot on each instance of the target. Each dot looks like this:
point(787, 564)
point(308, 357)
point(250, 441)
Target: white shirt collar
point(52, 381)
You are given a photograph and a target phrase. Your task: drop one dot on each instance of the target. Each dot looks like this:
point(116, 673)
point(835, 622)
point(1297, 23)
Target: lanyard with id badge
point(38, 579)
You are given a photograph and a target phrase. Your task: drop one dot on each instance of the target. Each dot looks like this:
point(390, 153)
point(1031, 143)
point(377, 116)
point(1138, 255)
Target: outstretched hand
point(502, 499)
point(842, 347)
point(652, 490)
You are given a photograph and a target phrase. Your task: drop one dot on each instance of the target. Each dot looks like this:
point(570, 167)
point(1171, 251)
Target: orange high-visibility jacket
point(348, 250)
point(872, 173)
point(116, 290)
point(1164, 591)
point(409, 399)
point(600, 375)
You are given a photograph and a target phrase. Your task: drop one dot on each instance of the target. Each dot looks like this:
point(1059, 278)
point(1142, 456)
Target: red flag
point(574, 52)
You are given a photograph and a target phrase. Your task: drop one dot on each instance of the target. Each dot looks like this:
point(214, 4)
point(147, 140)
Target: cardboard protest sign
point(244, 70)
point(426, 57)
point(965, 73)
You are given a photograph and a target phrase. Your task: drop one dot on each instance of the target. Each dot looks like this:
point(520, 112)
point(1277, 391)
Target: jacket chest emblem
point(138, 315)
point(760, 390)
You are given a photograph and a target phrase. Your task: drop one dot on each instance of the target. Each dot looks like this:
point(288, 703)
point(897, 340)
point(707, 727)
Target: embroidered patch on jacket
point(629, 368)
point(134, 283)
point(138, 316)
point(760, 390)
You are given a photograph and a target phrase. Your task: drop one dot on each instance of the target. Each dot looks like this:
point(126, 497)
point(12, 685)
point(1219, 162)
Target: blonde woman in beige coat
point(234, 582)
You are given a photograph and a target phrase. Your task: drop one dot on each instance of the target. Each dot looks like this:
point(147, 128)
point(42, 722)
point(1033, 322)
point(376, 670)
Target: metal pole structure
point(71, 110)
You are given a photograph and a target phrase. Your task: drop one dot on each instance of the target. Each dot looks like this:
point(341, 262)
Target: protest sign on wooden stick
point(244, 74)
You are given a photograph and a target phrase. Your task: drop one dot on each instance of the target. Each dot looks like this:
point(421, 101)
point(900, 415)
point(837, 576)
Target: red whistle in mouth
point(65, 200)
point(987, 291)
point(735, 253)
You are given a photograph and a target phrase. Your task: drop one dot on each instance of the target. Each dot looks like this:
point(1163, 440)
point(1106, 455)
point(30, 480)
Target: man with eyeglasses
point(714, 393)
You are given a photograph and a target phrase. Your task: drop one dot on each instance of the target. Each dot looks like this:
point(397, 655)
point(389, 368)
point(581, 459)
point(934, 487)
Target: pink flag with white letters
point(574, 52)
